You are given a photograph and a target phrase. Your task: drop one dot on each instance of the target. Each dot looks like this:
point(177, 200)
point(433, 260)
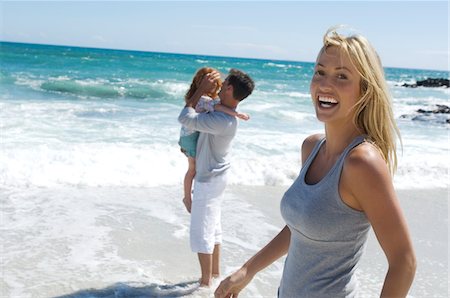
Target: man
point(217, 130)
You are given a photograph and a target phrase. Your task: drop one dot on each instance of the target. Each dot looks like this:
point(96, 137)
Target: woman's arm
point(367, 184)
point(233, 284)
point(231, 112)
point(278, 247)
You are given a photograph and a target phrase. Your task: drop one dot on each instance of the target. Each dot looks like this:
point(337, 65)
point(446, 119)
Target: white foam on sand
point(59, 240)
point(69, 240)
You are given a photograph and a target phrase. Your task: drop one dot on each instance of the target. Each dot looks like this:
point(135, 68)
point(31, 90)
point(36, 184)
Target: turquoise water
point(108, 118)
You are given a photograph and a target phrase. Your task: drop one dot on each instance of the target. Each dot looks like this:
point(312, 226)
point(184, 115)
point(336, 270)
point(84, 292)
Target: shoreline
point(73, 240)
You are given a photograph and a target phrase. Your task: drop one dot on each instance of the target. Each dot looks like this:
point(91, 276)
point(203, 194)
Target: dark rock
point(441, 109)
point(430, 82)
point(441, 114)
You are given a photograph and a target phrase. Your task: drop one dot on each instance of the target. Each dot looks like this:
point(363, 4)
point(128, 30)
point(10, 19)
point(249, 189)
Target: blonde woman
point(344, 187)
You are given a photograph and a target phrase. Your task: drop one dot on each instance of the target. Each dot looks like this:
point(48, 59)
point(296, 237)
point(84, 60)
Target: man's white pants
point(206, 229)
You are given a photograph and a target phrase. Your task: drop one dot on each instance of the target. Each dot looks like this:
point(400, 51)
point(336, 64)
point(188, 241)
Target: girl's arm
point(233, 284)
point(367, 183)
point(224, 109)
point(208, 81)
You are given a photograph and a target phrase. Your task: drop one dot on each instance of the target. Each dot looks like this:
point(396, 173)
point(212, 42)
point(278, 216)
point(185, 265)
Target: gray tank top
point(327, 236)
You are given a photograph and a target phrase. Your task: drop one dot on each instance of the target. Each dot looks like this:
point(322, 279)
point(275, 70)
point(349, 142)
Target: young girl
point(344, 186)
point(209, 102)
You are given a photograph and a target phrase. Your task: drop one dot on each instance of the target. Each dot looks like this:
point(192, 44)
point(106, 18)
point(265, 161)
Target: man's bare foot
point(204, 284)
point(187, 203)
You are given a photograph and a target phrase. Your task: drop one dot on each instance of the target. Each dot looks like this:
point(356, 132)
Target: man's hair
point(242, 84)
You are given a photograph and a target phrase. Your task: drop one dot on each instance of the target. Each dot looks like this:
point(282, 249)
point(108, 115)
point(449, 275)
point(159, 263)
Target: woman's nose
point(324, 83)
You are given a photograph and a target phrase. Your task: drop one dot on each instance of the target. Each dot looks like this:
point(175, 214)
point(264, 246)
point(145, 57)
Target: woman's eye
point(319, 72)
point(342, 76)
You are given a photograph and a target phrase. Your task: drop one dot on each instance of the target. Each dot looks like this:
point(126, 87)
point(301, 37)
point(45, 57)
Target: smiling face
point(335, 86)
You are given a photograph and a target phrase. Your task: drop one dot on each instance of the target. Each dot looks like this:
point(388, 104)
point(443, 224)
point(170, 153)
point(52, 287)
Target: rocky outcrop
point(430, 82)
point(441, 109)
point(441, 114)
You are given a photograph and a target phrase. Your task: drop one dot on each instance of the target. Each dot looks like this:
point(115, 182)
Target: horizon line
point(193, 54)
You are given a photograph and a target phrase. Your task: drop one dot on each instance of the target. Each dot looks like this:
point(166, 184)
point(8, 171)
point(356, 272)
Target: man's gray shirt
point(217, 130)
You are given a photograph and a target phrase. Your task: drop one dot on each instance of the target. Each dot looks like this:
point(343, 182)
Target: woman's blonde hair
point(373, 111)
point(196, 82)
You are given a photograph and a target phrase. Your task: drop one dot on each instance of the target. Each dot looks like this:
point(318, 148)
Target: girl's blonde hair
point(373, 111)
point(196, 82)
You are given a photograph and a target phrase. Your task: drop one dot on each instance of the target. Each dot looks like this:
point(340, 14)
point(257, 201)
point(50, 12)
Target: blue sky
point(412, 34)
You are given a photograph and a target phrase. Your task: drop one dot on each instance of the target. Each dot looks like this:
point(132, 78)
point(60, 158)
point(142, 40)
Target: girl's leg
point(188, 179)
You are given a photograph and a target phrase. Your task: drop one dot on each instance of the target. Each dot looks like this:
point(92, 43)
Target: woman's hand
point(233, 284)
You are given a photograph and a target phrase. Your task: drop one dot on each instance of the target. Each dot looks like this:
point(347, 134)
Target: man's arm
point(205, 122)
point(231, 112)
point(213, 123)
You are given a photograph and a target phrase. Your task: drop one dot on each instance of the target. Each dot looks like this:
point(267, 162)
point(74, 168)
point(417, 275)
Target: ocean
point(78, 116)
point(87, 132)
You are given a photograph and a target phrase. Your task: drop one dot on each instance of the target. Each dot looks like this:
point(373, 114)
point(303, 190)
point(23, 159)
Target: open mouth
point(327, 102)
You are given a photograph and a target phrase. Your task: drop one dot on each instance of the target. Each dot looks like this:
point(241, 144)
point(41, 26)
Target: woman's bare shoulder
point(308, 145)
point(366, 155)
point(365, 165)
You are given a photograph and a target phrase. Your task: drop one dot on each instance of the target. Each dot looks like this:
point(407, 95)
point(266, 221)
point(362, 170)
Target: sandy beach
point(104, 242)
point(426, 211)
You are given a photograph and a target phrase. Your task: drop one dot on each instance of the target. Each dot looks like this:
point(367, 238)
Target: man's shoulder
point(225, 119)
